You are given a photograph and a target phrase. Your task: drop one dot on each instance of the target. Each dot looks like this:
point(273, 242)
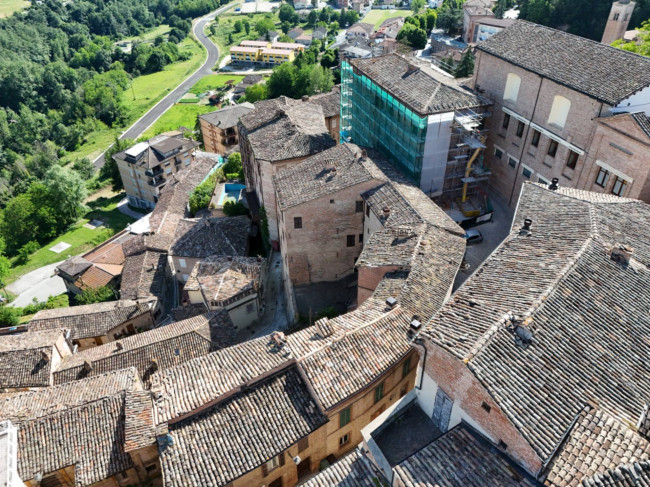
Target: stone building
point(233, 283)
point(94, 324)
point(219, 128)
point(146, 167)
point(331, 105)
point(278, 134)
point(618, 20)
point(548, 109)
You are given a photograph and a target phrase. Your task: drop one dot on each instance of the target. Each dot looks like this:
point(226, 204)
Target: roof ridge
point(484, 339)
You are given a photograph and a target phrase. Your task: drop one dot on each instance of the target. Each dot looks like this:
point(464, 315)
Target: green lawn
point(377, 16)
point(162, 29)
point(7, 7)
point(178, 115)
point(81, 239)
point(212, 82)
point(148, 89)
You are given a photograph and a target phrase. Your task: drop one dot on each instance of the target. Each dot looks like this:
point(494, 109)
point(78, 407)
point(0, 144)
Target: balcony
point(155, 182)
point(156, 171)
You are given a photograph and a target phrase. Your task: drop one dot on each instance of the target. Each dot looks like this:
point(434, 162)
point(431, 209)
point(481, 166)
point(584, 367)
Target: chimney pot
point(553, 186)
point(622, 254)
point(386, 211)
point(525, 229)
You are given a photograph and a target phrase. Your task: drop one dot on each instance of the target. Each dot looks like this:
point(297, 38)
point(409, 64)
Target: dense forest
point(585, 18)
point(61, 75)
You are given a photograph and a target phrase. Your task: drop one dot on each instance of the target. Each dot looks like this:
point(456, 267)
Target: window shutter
point(265, 470)
point(281, 459)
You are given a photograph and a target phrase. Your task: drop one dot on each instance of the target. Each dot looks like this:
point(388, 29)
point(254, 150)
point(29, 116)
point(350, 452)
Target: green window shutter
point(344, 417)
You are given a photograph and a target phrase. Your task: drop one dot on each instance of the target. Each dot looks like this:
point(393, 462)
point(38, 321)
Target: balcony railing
point(156, 182)
point(153, 172)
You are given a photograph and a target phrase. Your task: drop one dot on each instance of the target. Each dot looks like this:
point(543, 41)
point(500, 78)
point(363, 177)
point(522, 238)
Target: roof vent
point(386, 212)
point(523, 335)
point(525, 229)
point(415, 323)
point(45, 356)
point(622, 254)
point(279, 339)
point(553, 186)
point(323, 327)
point(391, 301)
point(119, 346)
point(153, 365)
point(87, 366)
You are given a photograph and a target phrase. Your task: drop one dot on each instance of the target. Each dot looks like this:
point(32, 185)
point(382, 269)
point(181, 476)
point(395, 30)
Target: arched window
point(512, 87)
point(559, 111)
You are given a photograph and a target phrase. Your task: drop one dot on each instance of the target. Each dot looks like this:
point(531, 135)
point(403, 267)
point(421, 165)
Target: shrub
point(202, 194)
point(232, 208)
point(52, 302)
point(26, 250)
point(9, 316)
point(97, 295)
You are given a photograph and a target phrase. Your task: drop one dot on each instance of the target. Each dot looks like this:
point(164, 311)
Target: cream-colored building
point(146, 167)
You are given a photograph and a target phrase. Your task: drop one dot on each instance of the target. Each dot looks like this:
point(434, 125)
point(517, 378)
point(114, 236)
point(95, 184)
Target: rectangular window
point(182, 263)
point(250, 307)
point(498, 153)
point(552, 148)
point(350, 242)
point(602, 177)
point(486, 406)
point(527, 172)
point(358, 206)
point(512, 162)
point(536, 135)
point(344, 440)
point(273, 463)
point(572, 160)
point(297, 222)
point(379, 392)
point(619, 186)
point(361, 238)
point(406, 367)
point(520, 129)
point(344, 417)
point(506, 120)
point(368, 210)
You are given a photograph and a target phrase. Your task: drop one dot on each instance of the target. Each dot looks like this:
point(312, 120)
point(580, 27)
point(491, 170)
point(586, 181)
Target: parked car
point(473, 236)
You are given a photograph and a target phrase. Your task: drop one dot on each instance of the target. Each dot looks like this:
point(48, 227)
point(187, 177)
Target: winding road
point(135, 130)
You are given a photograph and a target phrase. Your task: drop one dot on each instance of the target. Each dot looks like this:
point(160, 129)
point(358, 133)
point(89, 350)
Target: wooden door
point(442, 410)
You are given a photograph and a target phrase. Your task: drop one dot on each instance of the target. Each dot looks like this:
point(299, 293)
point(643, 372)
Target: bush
point(60, 301)
point(97, 295)
point(26, 250)
point(202, 194)
point(9, 316)
point(232, 208)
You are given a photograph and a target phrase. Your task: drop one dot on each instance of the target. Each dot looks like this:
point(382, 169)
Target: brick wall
point(452, 375)
point(369, 278)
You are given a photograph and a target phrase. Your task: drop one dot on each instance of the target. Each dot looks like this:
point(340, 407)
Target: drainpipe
point(419, 341)
point(523, 145)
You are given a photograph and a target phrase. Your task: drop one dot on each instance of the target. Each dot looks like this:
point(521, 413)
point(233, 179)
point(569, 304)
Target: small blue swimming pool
point(230, 191)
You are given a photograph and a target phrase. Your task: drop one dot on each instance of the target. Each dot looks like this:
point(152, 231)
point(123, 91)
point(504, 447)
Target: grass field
point(178, 115)
point(7, 7)
point(162, 29)
point(212, 82)
point(148, 90)
point(81, 239)
point(377, 16)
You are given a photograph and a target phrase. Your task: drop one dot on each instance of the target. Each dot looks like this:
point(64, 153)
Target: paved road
point(40, 284)
point(161, 107)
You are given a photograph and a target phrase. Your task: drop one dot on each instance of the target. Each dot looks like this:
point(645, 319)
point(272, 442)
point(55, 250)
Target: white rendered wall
point(436, 150)
point(638, 102)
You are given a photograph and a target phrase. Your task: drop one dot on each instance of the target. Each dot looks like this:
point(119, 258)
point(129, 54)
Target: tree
point(256, 92)
point(5, 267)
point(286, 12)
point(334, 28)
point(96, 295)
point(84, 167)
point(641, 46)
point(312, 18)
point(158, 40)
point(238, 26)
point(417, 38)
point(447, 64)
point(417, 5)
point(247, 27)
point(9, 316)
point(329, 59)
point(450, 16)
point(234, 208)
point(110, 169)
point(67, 191)
point(285, 27)
point(430, 16)
point(264, 25)
point(282, 81)
point(324, 15)
point(466, 66)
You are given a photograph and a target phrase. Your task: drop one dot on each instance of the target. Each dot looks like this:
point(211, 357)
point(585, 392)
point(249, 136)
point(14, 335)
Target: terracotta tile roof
point(362, 27)
point(228, 116)
point(328, 172)
point(144, 276)
point(282, 128)
point(18, 406)
point(352, 470)
point(390, 247)
point(94, 277)
point(603, 72)
point(26, 358)
point(200, 238)
point(168, 345)
point(330, 102)
point(252, 426)
point(180, 390)
point(561, 284)
point(223, 280)
point(422, 90)
point(91, 320)
point(597, 444)
point(111, 253)
point(460, 457)
point(635, 474)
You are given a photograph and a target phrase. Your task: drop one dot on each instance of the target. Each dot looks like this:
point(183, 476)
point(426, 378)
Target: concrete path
point(123, 207)
point(275, 313)
point(40, 284)
point(163, 105)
